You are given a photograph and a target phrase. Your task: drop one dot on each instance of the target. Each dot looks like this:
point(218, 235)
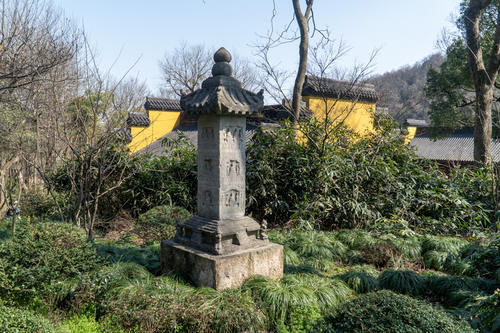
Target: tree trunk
point(302, 21)
point(483, 126)
point(484, 78)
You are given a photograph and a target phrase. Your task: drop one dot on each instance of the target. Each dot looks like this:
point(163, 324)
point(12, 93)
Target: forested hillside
point(402, 90)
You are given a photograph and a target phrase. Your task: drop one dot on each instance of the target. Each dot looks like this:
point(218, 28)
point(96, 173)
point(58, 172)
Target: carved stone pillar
point(220, 227)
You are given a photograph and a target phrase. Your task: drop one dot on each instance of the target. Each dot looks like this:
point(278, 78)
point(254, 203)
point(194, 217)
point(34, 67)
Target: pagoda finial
point(222, 59)
point(222, 93)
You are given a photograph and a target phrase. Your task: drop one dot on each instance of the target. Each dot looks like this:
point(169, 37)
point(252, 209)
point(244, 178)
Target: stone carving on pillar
point(220, 226)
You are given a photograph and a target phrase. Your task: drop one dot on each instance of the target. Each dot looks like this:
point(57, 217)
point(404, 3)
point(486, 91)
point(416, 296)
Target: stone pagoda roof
point(222, 93)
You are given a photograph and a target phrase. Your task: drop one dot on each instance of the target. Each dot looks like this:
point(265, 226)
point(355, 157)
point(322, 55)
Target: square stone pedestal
point(221, 271)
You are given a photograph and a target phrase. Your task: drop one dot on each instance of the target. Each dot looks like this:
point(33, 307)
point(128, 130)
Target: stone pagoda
point(220, 247)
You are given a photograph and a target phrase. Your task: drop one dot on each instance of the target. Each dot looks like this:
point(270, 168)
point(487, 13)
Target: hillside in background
point(402, 90)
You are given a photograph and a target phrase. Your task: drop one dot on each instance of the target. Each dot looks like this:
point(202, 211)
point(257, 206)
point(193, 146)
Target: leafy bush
point(484, 261)
point(86, 324)
point(485, 315)
point(42, 205)
point(401, 281)
point(23, 321)
point(385, 311)
point(161, 180)
point(159, 223)
point(165, 305)
point(41, 257)
point(356, 183)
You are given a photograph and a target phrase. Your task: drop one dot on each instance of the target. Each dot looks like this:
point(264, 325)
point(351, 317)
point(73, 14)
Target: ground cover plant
point(329, 282)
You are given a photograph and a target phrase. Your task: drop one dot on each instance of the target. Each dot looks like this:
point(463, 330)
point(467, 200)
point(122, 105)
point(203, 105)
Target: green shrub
point(159, 223)
point(349, 182)
point(401, 281)
point(23, 321)
point(87, 324)
point(161, 180)
point(38, 260)
point(484, 261)
point(486, 314)
point(165, 305)
point(385, 311)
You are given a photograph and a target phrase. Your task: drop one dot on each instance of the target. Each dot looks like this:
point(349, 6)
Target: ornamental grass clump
point(449, 245)
point(362, 279)
point(452, 290)
point(318, 250)
point(410, 247)
point(355, 239)
point(294, 293)
point(401, 281)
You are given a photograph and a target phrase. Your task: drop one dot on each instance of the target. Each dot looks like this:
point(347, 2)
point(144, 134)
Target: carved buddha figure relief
point(232, 198)
point(233, 168)
point(207, 133)
point(207, 198)
point(233, 135)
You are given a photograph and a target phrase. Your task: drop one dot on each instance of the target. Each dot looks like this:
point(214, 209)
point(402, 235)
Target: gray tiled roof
point(191, 133)
point(457, 147)
point(323, 87)
point(163, 104)
point(415, 122)
point(277, 112)
point(138, 119)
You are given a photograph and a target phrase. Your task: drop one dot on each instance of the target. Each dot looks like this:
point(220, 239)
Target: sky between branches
point(125, 32)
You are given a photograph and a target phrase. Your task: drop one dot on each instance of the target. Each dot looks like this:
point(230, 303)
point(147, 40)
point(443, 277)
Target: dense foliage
point(326, 276)
point(18, 320)
point(41, 257)
point(359, 183)
point(450, 86)
point(368, 182)
point(159, 222)
point(385, 311)
point(161, 180)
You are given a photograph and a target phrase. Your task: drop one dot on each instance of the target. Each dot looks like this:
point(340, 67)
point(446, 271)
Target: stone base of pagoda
point(220, 236)
point(221, 271)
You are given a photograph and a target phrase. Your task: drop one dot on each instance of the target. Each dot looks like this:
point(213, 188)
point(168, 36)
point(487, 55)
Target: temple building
point(341, 101)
